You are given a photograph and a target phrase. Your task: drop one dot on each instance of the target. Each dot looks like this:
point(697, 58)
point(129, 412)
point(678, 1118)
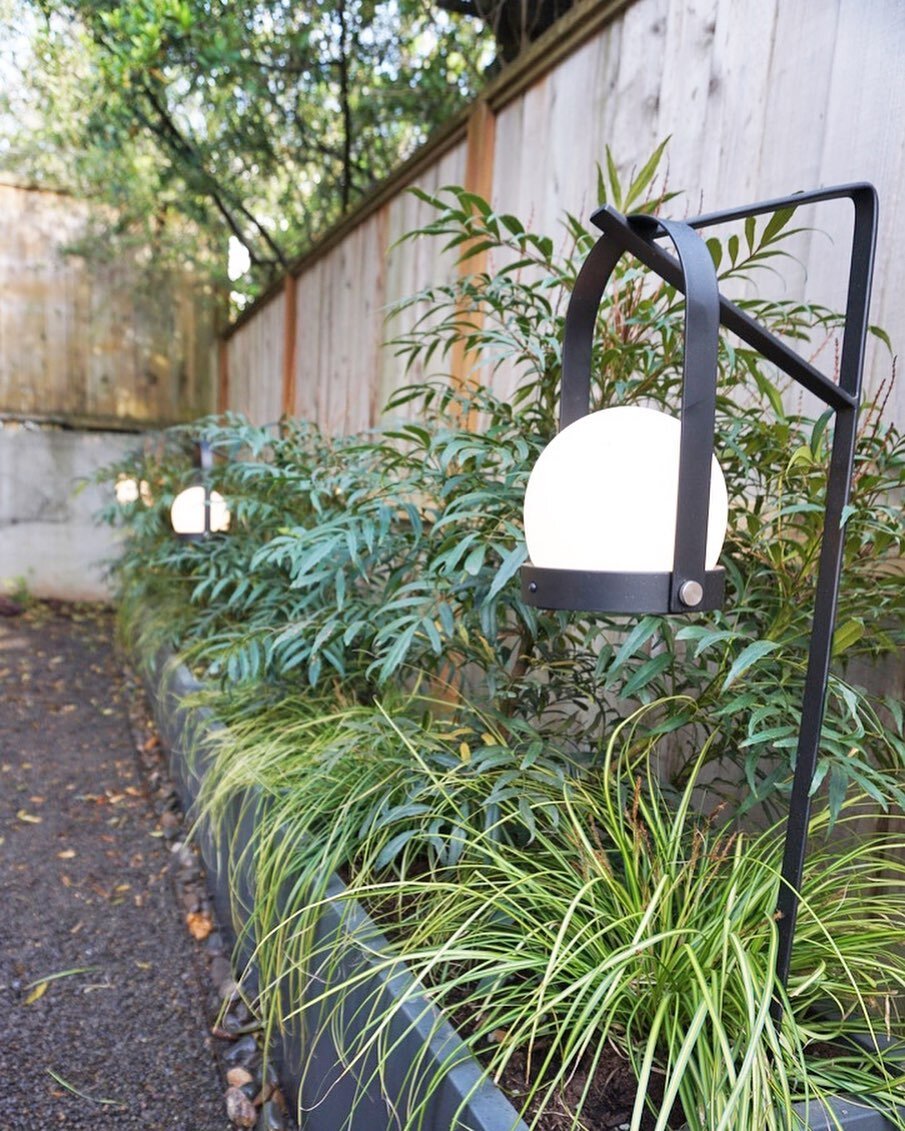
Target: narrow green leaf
point(748, 657)
point(613, 175)
point(749, 233)
point(640, 634)
point(510, 564)
point(775, 225)
point(646, 674)
point(846, 635)
point(641, 182)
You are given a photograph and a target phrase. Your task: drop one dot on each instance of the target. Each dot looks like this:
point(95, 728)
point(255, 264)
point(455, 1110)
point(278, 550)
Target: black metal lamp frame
point(204, 460)
point(690, 587)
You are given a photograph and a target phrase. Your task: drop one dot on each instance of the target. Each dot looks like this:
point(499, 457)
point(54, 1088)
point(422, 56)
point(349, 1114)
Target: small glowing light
point(128, 490)
point(187, 512)
point(603, 494)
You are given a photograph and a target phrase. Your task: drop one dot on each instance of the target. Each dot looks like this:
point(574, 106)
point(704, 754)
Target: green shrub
point(381, 560)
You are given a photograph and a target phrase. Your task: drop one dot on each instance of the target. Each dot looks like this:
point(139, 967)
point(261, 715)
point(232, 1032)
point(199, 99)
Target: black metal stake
point(206, 462)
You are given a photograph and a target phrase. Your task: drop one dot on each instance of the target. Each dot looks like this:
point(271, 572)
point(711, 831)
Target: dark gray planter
point(424, 1048)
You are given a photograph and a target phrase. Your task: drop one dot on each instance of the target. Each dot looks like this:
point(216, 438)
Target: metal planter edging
point(424, 1048)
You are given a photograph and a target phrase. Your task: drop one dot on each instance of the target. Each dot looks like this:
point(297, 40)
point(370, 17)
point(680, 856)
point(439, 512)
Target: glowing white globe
point(187, 511)
point(603, 494)
point(129, 491)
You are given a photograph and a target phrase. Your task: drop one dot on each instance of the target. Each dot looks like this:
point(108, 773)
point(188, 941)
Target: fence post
point(290, 324)
point(479, 148)
point(223, 375)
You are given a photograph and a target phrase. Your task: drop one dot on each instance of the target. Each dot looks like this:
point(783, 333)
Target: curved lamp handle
point(699, 375)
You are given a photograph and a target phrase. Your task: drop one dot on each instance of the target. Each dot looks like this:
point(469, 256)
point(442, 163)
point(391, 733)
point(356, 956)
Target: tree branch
point(224, 201)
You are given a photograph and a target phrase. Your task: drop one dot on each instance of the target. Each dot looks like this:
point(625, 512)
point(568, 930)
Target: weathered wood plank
point(256, 364)
point(85, 339)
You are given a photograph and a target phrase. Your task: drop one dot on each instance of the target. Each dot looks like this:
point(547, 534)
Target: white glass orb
point(126, 490)
point(130, 491)
point(602, 496)
point(187, 511)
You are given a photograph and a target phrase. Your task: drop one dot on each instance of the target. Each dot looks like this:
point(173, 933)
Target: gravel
point(104, 994)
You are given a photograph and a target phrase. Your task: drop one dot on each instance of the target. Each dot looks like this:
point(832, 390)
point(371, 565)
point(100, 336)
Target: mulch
point(105, 1001)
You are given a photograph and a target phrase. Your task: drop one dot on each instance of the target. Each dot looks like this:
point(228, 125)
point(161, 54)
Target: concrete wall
point(48, 538)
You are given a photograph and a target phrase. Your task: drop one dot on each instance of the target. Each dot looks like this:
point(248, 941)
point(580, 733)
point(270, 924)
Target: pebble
point(231, 1024)
point(221, 970)
point(169, 824)
point(271, 1118)
point(242, 1052)
point(238, 1076)
point(213, 944)
point(240, 1109)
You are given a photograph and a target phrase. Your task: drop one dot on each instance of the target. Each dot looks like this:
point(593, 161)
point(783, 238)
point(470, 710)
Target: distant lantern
point(129, 490)
point(197, 511)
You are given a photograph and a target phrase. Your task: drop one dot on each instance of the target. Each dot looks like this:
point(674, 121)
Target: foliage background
point(261, 120)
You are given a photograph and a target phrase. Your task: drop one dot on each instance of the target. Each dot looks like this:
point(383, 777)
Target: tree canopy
point(263, 120)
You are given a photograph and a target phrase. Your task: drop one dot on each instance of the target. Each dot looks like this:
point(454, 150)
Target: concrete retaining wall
point(49, 541)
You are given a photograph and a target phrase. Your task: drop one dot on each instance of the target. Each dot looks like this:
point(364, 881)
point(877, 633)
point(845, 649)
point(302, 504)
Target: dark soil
point(103, 992)
point(606, 1102)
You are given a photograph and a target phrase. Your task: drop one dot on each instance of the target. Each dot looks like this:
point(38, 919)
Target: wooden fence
point(96, 343)
point(759, 97)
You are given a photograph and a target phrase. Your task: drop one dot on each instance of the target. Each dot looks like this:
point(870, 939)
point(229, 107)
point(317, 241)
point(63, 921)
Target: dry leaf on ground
point(200, 924)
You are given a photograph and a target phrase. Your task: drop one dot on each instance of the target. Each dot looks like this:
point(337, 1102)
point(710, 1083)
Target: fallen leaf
point(66, 854)
point(200, 924)
point(28, 818)
point(38, 992)
point(37, 800)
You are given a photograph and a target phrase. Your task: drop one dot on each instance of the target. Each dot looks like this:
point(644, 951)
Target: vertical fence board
point(290, 328)
point(411, 267)
point(84, 339)
point(256, 364)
